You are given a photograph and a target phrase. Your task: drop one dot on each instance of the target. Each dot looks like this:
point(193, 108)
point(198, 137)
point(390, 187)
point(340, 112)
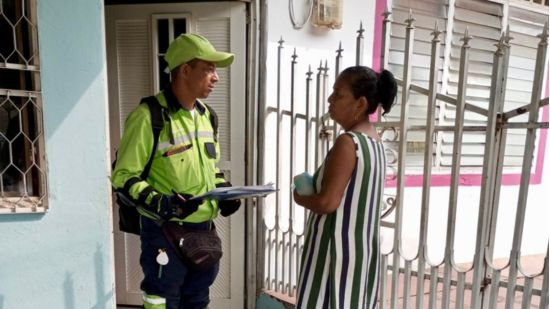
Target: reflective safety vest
point(184, 161)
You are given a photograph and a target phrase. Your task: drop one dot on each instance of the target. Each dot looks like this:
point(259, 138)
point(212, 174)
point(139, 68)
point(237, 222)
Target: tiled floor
point(530, 264)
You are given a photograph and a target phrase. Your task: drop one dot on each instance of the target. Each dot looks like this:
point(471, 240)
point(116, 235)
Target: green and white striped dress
point(341, 257)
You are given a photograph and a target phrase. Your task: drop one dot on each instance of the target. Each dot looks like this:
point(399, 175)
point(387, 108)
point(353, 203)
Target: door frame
point(239, 147)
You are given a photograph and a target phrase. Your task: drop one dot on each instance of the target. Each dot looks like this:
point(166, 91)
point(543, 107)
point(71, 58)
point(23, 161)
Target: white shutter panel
point(426, 13)
point(483, 20)
point(218, 33)
point(133, 64)
point(134, 82)
point(524, 28)
point(217, 30)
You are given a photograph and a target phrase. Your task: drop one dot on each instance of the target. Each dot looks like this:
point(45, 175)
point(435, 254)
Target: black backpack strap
point(157, 123)
point(129, 217)
point(213, 120)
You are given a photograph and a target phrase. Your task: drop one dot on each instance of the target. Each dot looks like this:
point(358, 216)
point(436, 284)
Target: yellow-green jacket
point(184, 161)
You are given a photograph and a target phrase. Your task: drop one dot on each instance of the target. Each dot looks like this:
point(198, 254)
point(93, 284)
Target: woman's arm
point(339, 166)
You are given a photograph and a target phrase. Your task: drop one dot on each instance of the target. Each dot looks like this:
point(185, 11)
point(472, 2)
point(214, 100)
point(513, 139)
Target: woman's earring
point(355, 117)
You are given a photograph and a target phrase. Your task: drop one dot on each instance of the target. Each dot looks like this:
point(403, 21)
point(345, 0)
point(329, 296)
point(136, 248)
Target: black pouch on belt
point(199, 249)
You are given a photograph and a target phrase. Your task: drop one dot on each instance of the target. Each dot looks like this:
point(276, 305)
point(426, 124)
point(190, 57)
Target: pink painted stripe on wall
point(380, 6)
point(542, 142)
point(465, 179)
point(377, 37)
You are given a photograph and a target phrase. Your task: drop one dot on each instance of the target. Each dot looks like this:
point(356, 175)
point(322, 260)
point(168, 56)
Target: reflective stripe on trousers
point(153, 302)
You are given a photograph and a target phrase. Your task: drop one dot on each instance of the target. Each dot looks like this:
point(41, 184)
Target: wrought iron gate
point(408, 280)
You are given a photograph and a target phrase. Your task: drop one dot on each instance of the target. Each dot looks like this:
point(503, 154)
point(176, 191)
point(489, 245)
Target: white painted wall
point(314, 45)
point(535, 233)
point(323, 39)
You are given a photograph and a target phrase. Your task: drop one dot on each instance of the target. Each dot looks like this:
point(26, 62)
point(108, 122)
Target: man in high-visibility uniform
point(184, 164)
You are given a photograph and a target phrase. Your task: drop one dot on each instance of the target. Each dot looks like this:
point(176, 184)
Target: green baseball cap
point(189, 46)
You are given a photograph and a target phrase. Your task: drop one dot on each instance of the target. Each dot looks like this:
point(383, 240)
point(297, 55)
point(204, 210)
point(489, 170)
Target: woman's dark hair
point(377, 88)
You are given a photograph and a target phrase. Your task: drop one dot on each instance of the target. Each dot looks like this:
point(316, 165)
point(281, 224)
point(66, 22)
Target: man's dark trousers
point(183, 287)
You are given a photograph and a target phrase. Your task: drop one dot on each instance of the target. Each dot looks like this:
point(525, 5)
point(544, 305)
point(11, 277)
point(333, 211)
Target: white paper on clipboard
point(237, 192)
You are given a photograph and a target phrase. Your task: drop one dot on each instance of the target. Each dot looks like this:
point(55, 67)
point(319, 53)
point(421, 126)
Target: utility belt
point(196, 244)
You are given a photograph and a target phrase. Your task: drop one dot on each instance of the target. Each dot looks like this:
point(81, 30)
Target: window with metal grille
point(22, 157)
point(165, 29)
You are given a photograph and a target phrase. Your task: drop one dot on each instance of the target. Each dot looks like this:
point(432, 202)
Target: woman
point(340, 261)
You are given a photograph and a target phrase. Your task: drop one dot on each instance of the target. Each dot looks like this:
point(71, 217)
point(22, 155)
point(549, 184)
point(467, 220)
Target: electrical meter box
point(327, 13)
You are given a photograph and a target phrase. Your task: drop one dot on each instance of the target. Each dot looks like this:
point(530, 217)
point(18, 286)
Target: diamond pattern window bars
point(22, 155)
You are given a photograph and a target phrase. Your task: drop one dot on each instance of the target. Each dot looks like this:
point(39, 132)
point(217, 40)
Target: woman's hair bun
point(386, 90)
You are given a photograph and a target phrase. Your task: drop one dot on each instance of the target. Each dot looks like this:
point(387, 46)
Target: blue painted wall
point(64, 258)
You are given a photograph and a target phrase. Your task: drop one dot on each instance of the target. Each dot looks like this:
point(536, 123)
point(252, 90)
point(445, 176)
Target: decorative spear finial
point(281, 41)
point(436, 32)
point(466, 39)
point(386, 15)
point(294, 56)
point(339, 50)
point(361, 30)
point(409, 21)
point(309, 73)
point(544, 35)
point(502, 44)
